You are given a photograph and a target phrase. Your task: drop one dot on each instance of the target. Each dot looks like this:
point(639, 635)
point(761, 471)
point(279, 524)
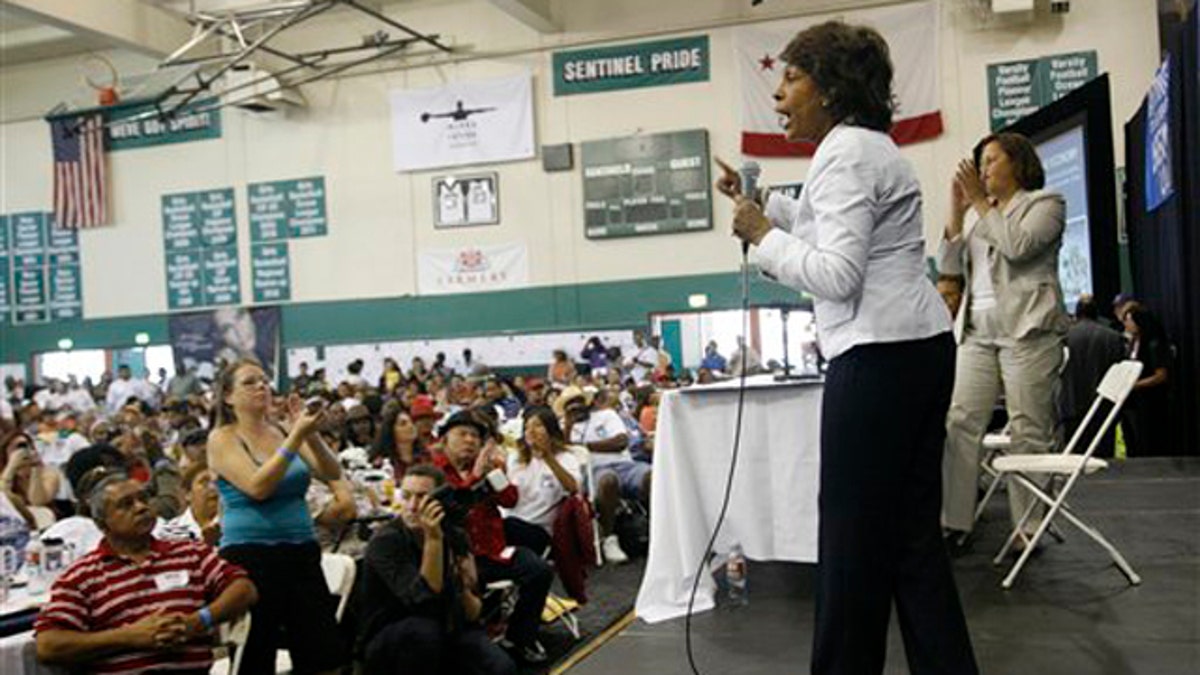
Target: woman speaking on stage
point(854, 241)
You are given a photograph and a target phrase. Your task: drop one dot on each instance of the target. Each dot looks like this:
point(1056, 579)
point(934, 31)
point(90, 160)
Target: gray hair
point(95, 497)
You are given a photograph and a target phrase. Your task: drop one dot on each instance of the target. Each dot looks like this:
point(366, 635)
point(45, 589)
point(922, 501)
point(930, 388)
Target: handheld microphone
point(749, 173)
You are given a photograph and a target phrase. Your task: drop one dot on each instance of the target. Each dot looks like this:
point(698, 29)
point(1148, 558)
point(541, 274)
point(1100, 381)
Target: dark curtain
point(1164, 245)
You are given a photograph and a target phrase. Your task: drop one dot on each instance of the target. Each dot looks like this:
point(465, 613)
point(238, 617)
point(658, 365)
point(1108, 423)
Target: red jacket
point(485, 526)
point(573, 545)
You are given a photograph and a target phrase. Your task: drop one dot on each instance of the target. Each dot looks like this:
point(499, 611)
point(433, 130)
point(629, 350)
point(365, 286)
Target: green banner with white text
point(642, 64)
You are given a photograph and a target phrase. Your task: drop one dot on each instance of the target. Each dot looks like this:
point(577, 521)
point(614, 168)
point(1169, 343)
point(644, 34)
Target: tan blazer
point(1023, 244)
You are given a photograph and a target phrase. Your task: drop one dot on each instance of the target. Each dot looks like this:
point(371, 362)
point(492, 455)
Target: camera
point(457, 502)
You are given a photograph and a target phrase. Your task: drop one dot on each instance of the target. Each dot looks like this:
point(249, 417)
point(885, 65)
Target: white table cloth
point(773, 506)
point(18, 656)
point(18, 653)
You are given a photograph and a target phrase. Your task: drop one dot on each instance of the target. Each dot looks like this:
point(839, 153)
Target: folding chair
point(232, 638)
point(339, 573)
point(997, 445)
point(588, 488)
point(1114, 388)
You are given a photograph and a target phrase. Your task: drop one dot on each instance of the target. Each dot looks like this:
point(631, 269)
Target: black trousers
point(883, 426)
point(419, 646)
point(533, 577)
point(292, 597)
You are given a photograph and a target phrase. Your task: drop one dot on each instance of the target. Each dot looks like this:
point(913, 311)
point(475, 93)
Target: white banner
point(472, 269)
point(463, 123)
point(911, 31)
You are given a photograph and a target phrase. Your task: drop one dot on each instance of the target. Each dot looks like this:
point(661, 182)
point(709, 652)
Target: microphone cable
point(737, 442)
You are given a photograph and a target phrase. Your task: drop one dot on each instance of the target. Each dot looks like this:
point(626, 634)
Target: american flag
point(80, 171)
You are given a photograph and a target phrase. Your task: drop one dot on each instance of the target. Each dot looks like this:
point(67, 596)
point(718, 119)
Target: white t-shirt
point(645, 354)
point(180, 528)
point(119, 391)
point(57, 452)
point(539, 490)
point(601, 425)
point(80, 400)
point(983, 296)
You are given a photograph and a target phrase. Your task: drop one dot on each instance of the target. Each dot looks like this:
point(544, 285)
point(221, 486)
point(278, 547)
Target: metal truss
point(191, 78)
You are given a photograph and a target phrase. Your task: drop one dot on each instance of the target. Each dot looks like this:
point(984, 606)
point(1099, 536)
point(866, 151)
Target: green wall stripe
point(582, 307)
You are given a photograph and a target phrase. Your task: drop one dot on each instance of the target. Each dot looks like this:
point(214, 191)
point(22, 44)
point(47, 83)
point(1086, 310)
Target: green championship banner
point(40, 264)
point(642, 64)
point(200, 249)
point(1019, 88)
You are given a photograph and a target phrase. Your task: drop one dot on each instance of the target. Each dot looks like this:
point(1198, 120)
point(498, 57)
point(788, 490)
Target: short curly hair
point(852, 67)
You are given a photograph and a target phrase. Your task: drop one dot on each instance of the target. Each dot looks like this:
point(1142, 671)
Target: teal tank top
point(282, 518)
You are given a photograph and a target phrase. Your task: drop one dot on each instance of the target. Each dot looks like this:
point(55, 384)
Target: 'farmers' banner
point(911, 32)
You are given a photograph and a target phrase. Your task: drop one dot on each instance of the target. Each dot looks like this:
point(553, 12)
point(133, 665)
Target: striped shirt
point(102, 591)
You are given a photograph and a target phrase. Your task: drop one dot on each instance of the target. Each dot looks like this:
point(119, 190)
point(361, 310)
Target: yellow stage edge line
point(596, 643)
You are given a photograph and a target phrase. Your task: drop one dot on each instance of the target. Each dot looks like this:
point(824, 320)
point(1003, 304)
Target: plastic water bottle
point(735, 575)
point(33, 568)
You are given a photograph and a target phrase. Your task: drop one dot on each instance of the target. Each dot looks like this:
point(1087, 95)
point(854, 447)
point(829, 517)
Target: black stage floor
point(1071, 612)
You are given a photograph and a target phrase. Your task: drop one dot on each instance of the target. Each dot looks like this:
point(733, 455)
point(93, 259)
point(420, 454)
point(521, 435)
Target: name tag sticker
point(167, 581)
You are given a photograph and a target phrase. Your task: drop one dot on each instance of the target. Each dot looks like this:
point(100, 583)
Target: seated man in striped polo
point(137, 604)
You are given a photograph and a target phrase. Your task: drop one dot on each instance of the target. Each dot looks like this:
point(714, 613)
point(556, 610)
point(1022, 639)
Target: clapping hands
point(304, 418)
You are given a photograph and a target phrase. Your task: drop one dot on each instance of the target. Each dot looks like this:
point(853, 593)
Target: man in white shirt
point(644, 359)
point(78, 398)
point(617, 474)
point(753, 360)
point(120, 390)
point(147, 391)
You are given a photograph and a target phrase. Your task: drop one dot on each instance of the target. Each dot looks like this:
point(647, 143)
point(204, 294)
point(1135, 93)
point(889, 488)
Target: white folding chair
point(339, 573)
point(232, 637)
point(997, 445)
point(588, 488)
point(1114, 388)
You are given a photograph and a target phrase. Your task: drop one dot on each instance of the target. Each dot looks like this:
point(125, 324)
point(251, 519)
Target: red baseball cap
point(422, 406)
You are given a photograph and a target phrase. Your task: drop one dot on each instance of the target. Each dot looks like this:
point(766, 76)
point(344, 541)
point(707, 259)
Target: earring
point(824, 103)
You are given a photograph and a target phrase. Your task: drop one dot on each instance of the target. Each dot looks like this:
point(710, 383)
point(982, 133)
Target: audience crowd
point(143, 481)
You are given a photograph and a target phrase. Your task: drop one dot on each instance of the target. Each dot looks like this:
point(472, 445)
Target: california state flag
point(911, 31)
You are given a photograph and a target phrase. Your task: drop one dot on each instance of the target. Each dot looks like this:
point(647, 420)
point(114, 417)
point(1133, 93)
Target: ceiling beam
point(533, 13)
point(126, 23)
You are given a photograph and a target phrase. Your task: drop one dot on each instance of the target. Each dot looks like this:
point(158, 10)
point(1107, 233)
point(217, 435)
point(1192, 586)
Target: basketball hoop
point(100, 74)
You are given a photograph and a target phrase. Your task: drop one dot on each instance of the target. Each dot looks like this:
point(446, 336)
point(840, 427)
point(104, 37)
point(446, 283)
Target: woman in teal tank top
point(262, 476)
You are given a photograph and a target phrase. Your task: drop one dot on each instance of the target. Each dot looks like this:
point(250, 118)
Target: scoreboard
point(647, 184)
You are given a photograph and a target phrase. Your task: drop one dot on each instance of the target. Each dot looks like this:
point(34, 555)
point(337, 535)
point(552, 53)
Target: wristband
point(206, 617)
point(286, 454)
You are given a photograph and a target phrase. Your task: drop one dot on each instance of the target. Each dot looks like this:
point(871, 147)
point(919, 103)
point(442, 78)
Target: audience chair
point(1020, 469)
point(997, 445)
point(558, 608)
point(339, 572)
point(231, 637)
point(589, 486)
point(499, 601)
